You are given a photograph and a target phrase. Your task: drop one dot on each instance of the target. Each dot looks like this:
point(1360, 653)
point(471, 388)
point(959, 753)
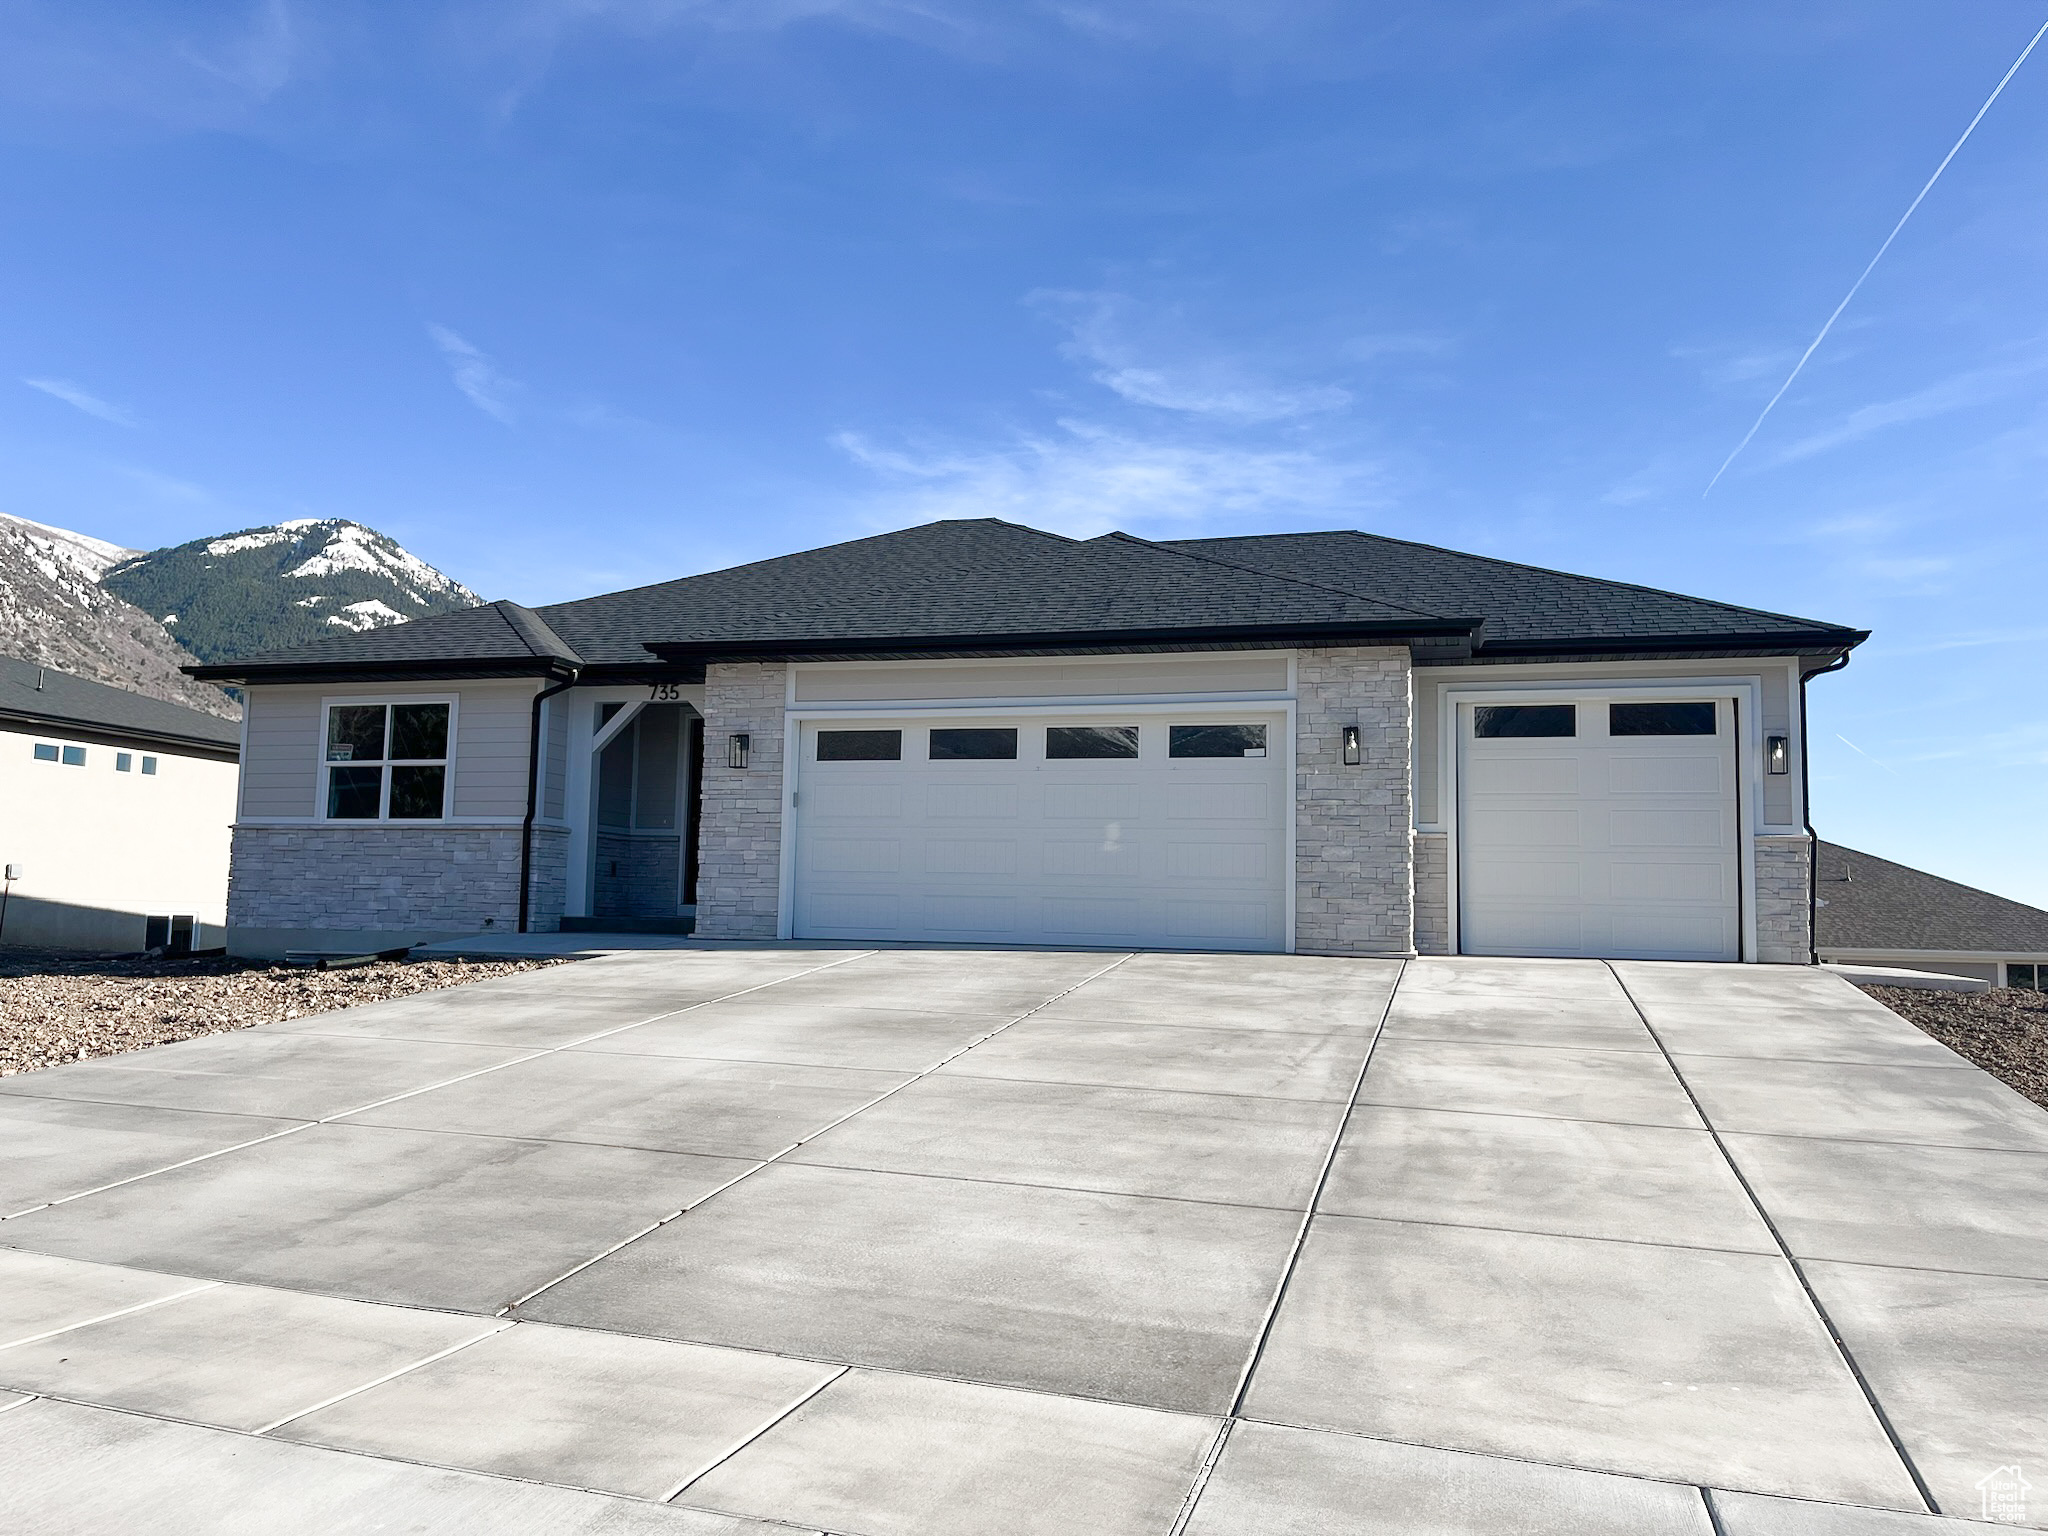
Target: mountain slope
point(288, 584)
point(54, 613)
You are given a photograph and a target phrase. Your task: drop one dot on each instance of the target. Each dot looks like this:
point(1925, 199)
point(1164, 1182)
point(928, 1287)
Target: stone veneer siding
point(1354, 848)
point(1432, 893)
point(739, 836)
point(649, 881)
point(376, 875)
point(1784, 914)
point(549, 873)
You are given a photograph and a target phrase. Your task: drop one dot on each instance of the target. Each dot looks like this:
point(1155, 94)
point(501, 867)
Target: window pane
point(615, 779)
point(860, 746)
point(1496, 720)
point(46, 752)
point(124, 762)
point(974, 741)
point(2020, 976)
point(149, 765)
point(75, 756)
point(419, 730)
point(1216, 741)
point(415, 792)
point(661, 749)
point(355, 733)
point(351, 792)
point(1695, 718)
point(1091, 741)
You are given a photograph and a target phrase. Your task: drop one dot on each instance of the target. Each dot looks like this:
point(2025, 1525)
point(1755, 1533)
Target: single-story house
point(982, 733)
point(115, 812)
point(1870, 911)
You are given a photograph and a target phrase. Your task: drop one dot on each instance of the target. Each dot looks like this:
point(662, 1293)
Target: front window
point(385, 762)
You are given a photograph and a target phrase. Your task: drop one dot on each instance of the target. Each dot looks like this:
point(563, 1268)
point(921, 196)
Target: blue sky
point(569, 295)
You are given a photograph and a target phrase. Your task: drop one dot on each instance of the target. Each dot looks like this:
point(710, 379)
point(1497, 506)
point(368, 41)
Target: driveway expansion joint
point(1799, 1271)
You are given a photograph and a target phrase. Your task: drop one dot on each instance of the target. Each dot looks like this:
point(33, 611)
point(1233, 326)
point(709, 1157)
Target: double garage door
point(1153, 831)
point(1599, 827)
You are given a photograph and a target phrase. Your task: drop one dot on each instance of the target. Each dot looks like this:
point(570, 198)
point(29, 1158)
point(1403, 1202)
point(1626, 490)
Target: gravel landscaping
point(2004, 1031)
point(57, 1007)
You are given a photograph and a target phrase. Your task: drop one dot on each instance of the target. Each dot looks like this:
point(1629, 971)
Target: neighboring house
point(115, 812)
point(1870, 911)
point(981, 733)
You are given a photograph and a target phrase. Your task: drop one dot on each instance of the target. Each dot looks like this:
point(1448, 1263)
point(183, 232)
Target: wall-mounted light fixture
point(1353, 749)
point(1778, 754)
point(736, 748)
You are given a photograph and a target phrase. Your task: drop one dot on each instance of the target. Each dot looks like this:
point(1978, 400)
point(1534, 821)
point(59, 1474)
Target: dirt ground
point(61, 1006)
point(2004, 1031)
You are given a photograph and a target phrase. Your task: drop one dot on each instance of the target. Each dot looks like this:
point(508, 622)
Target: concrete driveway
point(735, 1241)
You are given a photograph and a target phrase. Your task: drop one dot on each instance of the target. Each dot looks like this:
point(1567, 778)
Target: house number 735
point(665, 693)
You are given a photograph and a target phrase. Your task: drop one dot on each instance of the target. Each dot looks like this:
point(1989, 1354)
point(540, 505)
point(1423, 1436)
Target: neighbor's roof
point(987, 585)
point(1864, 902)
point(43, 697)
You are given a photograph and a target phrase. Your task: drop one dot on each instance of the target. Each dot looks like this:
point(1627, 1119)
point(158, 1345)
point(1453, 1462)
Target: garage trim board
point(1154, 716)
point(1741, 693)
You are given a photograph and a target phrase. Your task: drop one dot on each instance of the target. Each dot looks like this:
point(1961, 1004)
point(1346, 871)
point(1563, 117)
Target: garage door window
point(1695, 718)
point(1494, 721)
point(860, 746)
point(983, 743)
point(1216, 741)
point(1067, 741)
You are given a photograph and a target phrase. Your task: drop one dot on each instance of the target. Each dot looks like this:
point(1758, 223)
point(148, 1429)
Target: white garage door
point(1155, 832)
point(1599, 828)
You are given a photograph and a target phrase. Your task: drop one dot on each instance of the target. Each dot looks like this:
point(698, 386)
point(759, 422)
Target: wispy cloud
point(475, 374)
point(1975, 387)
point(259, 60)
point(1167, 373)
point(1084, 480)
point(83, 399)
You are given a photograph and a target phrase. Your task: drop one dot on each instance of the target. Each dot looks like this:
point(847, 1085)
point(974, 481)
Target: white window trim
point(1746, 694)
point(383, 817)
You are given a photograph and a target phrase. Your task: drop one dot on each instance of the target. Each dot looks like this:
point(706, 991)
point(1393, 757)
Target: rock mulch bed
point(2004, 1031)
point(57, 1007)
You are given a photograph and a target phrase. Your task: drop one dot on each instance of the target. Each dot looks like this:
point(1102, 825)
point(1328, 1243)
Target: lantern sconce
point(1778, 754)
point(736, 748)
point(1353, 750)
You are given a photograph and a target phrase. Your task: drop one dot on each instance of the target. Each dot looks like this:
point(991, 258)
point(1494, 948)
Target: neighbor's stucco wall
point(100, 850)
point(739, 842)
point(1783, 912)
point(281, 777)
point(1353, 853)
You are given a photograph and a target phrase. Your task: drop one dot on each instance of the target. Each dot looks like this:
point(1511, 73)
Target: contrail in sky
point(1888, 239)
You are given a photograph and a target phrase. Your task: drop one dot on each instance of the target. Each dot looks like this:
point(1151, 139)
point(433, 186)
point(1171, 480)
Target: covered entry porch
point(632, 761)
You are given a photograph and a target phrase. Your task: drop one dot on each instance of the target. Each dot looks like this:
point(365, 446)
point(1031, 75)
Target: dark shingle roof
point(43, 696)
point(989, 584)
point(1865, 902)
point(502, 636)
point(1524, 605)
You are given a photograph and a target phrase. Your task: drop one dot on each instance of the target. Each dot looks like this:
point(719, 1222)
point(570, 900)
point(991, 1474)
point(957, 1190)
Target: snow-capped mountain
point(119, 616)
point(286, 584)
point(54, 612)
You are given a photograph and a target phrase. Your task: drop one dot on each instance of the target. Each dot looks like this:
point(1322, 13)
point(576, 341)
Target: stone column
point(1354, 876)
point(1784, 917)
point(739, 836)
